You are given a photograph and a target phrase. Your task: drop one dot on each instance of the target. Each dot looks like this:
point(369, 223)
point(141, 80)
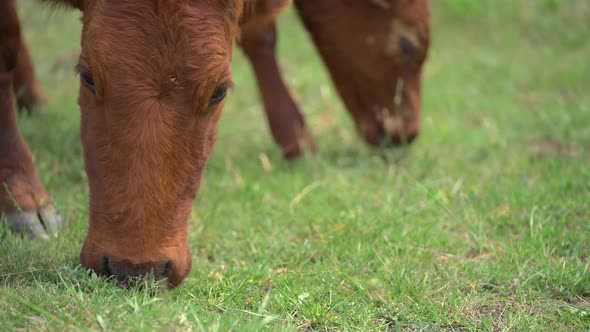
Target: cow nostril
point(403, 138)
point(375, 136)
point(124, 271)
point(166, 268)
point(106, 266)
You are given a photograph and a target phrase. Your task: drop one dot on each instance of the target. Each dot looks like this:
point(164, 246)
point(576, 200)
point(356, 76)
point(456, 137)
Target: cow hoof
point(42, 224)
point(305, 143)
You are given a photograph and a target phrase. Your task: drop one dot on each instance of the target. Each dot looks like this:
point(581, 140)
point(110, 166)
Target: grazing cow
point(153, 77)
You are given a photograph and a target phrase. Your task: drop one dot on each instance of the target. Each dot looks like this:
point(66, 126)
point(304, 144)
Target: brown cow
point(153, 78)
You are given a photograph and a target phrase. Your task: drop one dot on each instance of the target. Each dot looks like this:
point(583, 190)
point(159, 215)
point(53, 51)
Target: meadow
point(483, 224)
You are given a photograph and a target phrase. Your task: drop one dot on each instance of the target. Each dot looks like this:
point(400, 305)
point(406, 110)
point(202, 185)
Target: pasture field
point(483, 224)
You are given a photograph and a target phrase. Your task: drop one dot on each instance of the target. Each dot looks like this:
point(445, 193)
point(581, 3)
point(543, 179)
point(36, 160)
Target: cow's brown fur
point(149, 128)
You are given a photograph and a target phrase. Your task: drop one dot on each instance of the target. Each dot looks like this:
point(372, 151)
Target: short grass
point(482, 224)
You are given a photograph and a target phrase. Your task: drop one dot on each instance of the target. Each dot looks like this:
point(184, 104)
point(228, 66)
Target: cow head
point(153, 77)
point(375, 51)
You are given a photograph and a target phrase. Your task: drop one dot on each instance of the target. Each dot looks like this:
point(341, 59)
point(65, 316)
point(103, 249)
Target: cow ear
point(260, 12)
point(79, 4)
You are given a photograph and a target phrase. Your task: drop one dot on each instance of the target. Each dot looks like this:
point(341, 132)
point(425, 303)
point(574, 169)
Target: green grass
point(482, 224)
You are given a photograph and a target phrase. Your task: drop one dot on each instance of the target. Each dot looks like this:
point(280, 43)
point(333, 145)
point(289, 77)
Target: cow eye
point(408, 48)
point(87, 81)
point(218, 95)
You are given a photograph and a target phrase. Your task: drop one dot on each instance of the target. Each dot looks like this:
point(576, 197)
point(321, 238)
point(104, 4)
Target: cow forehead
point(152, 25)
point(154, 43)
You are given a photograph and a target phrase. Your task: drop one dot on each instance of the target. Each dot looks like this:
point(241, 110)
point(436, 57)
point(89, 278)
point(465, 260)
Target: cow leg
point(24, 204)
point(27, 89)
point(286, 123)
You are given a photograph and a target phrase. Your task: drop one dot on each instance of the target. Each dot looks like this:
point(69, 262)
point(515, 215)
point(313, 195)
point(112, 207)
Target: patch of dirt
point(471, 255)
point(479, 255)
point(477, 313)
point(550, 148)
point(392, 320)
point(582, 304)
